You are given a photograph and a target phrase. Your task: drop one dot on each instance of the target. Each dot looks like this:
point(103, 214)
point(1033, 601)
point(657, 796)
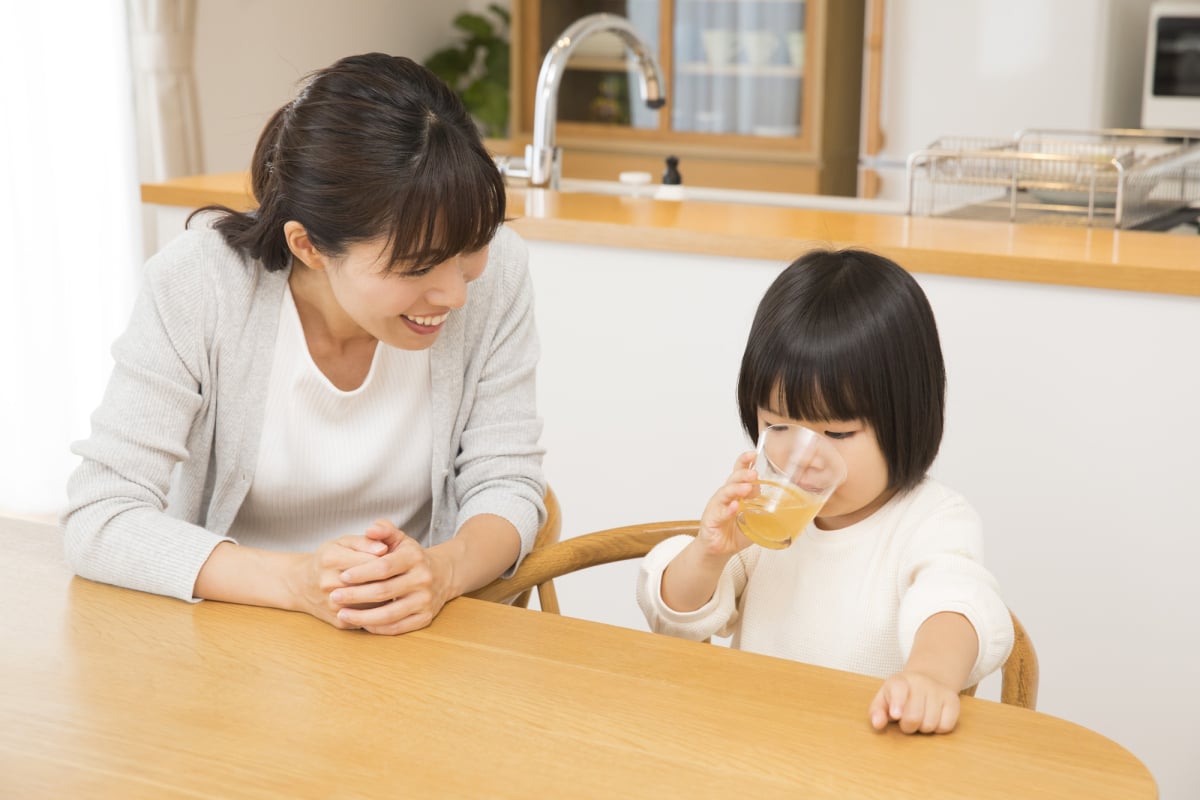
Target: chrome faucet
point(543, 159)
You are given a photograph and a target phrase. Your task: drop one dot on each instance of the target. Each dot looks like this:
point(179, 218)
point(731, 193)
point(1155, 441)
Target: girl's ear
point(302, 247)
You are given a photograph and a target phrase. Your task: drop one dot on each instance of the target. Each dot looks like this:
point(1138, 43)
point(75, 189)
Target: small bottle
point(672, 182)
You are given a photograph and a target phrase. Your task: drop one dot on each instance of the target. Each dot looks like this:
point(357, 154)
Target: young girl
point(888, 581)
point(326, 404)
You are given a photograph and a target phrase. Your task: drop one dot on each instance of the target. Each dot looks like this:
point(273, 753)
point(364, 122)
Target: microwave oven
point(1171, 93)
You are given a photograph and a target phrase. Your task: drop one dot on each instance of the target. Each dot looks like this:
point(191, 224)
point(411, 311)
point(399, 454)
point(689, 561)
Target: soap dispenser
point(672, 182)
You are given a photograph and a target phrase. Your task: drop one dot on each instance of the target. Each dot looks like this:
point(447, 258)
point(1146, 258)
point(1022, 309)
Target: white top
point(850, 599)
point(328, 461)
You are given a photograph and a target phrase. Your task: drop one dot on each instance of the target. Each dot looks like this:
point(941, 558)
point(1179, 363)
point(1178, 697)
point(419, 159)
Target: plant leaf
point(474, 25)
point(488, 102)
point(496, 63)
point(450, 65)
point(502, 13)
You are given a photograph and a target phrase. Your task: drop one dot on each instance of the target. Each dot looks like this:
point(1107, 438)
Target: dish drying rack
point(1121, 178)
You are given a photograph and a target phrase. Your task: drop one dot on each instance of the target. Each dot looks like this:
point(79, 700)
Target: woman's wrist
point(484, 547)
point(246, 575)
point(444, 560)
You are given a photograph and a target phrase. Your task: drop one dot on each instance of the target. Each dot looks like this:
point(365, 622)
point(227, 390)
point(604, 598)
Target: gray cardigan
point(175, 440)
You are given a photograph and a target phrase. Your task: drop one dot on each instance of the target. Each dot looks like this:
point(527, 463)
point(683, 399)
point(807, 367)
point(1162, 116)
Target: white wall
point(1072, 426)
point(993, 67)
point(251, 53)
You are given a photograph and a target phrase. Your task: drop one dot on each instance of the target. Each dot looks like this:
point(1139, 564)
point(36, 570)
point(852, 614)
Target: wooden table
point(106, 692)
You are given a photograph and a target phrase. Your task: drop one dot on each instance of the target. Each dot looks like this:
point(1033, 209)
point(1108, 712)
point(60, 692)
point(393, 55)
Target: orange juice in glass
point(798, 470)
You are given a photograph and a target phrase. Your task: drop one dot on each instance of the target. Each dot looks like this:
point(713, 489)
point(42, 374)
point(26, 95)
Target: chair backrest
point(547, 535)
point(1018, 676)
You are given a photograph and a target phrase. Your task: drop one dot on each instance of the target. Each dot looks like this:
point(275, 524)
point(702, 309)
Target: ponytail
point(259, 233)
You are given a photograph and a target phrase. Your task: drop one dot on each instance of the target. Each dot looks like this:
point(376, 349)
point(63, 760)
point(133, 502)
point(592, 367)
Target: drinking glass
point(798, 470)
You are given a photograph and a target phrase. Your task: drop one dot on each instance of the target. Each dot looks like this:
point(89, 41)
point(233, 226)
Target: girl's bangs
point(814, 389)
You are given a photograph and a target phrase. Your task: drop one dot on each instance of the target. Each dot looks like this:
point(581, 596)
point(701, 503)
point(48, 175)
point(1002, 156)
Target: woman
point(327, 404)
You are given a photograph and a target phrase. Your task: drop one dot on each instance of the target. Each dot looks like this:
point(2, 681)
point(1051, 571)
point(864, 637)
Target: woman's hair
point(849, 335)
point(373, 146)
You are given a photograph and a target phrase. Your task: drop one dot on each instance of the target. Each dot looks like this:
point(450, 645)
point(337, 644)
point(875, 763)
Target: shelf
point(598, 64)
point(763, 2)
point(741, 70)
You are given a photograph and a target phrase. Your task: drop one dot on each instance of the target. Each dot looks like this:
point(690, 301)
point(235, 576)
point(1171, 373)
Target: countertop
point(1071, 256)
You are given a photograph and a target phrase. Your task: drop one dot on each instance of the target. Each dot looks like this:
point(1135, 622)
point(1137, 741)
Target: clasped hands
point(383, 581)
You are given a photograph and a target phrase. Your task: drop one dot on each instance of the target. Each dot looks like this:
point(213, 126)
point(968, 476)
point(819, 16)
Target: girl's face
point(865, 489)
point(402, 309)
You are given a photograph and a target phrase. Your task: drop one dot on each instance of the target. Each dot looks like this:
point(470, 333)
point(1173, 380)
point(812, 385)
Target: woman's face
point(402, 308)
point(865, 489)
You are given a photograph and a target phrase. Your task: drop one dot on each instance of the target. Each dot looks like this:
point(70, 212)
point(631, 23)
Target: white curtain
point(70, 230)
point(162, 34)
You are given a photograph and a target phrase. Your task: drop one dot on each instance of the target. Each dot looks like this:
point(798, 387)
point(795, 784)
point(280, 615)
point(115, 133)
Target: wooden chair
point(1018, 676)
point(547, 535)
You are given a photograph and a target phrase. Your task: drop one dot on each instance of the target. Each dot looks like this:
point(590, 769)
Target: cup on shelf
point(795, 45)
point(710, 121)
point(720, 46)
point(757, 48)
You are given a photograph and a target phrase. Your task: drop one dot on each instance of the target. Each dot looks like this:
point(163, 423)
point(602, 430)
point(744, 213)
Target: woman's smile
point(425, 324)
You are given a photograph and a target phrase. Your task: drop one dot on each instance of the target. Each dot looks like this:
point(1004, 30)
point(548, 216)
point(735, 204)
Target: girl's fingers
point(949, 716)
point(877, 712)
point(895, 696)
point(744, 460)
point(912, 712)
point(933, 715)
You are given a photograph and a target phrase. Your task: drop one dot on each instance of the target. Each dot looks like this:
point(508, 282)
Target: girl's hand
point(689, 581)
point(917, 701)
point(400, 591)
point(718, 531)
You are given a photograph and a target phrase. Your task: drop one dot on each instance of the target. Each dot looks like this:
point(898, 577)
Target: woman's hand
point(316, 575)
point(917, 701)
point(399, 591)
point(718, 531)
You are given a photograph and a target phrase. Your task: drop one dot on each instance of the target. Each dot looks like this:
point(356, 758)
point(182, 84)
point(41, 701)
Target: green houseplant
point(477, 68)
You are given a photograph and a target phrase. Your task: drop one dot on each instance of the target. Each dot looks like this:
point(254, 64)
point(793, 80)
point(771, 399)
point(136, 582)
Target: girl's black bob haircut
point(373, 147)
point(849, 335)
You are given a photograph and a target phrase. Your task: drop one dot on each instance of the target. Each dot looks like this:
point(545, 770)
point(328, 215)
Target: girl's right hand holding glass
point(689, 581)
point(718, 530)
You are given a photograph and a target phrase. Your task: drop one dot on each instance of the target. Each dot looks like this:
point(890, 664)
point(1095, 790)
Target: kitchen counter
point(1071, 256)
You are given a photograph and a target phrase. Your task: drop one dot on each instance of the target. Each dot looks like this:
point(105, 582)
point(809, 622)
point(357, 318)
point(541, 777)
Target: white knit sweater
point(850, 599)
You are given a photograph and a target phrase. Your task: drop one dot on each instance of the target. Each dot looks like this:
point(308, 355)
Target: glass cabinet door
point(733, 67)
point(739, 67)
point(600, 82)
point(760, 94)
